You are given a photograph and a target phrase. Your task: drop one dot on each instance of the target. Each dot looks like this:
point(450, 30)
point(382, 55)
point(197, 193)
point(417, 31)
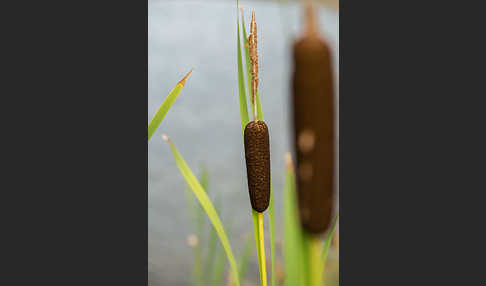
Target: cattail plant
point(257, 147)
point(257, 151)
point(308, 189)
point(313, 118)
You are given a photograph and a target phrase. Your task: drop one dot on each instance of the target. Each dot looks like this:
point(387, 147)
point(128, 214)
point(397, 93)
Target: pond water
point(204, 122)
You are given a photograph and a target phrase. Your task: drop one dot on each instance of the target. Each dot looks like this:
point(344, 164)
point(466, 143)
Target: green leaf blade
point(166, 105)
point(271, 219)
point(241, 81)
point(208, 207)
point(293, 243)
point(220, 264)
point(327, 244)
point(245, 258)
point(212, 245)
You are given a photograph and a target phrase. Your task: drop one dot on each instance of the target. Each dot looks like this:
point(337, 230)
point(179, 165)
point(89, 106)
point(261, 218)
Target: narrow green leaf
point(245, 258)
point(198, 279)
point(193, 217)
point(327, 243)
point(166, 105)
point(191, 206)
point(247, 55)
point(293, 246)
point(197, 218)
point(212, 245)
point(271, 219)
point(201, 217)
point(220, 265)
point(200, 226)
point(206, 204)
point(241, 80)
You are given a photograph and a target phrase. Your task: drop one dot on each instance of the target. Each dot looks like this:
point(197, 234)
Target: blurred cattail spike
point(313, 117)
point(310, 19)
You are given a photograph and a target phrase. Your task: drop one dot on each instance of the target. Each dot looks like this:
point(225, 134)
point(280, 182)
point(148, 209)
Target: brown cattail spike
point(257, 145)
point(257, 155)
point(313, 103)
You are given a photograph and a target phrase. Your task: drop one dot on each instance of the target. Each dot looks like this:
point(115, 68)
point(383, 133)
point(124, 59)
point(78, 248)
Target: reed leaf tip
point(184, 79)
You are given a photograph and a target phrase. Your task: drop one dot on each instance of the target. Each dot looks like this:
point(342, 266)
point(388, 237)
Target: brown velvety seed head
point(257, 155)
point(313, 105)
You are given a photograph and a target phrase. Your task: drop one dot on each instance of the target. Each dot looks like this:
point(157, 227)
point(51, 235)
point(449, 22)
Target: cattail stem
point(261, 237)
point(257, 154)
point(316, 265)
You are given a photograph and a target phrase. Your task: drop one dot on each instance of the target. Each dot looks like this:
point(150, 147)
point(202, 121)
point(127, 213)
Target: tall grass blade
point(220, 265)
point(191, 206)
point(200, 226)
point(245, 258)
point(271, 219)
point(192, 211)
point(292, 242)
point(206, 204)
point(197, 217)
point(166, 105)
point(198, 279)
point(212, 245)
point(201, 217)
point(327, 243)
point(241, 81)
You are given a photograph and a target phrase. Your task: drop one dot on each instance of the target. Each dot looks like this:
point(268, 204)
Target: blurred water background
point(204, 122)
